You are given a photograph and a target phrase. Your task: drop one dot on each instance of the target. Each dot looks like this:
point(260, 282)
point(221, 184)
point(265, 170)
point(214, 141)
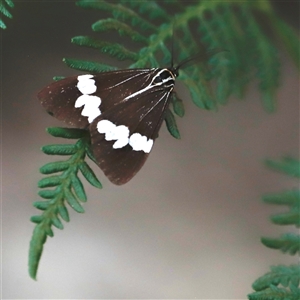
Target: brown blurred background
point(187, 226)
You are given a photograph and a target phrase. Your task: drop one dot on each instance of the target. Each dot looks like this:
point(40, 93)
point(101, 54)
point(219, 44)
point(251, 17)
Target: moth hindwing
point(123, 111)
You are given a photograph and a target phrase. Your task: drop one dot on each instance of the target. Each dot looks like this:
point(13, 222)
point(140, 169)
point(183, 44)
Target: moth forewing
point(71, 99)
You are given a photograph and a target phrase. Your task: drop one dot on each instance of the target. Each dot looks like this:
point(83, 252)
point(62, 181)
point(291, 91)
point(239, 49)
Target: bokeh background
point(187, 226)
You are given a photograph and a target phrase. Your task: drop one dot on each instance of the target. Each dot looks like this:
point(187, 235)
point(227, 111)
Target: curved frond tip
point(61, 187)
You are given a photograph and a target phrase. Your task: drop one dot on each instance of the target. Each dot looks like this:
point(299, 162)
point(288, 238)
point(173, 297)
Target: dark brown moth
point(123, 111)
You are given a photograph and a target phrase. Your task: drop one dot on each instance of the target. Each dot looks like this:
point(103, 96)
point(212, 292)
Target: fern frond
point(289, 198)
point(265, 57)
point(288, 165)
point(288, 37)
point(148, 8)
point(88, 66)
point(177, 104)
point(115, 50)
point(89, 175)
point(67, 188)
point(66, 133)
point(288, 218)
point(54, 167)
point(4, 11)
point(288, 242)
point(118, 11)
point(227, 25)
point(171, 124)
point(279, 275)
point(266, 287)
point(122, 28)
point(276, 293)
point(63, 149)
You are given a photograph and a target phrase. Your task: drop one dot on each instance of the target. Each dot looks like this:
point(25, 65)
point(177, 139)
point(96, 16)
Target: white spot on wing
point(107, 127)
point(91, 106)
point(120, 143)
point(86, 85)
point(139, 142)
point(113, 132)
point(120, 134)
point(148, 147)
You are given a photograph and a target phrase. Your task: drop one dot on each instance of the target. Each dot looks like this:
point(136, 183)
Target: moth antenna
point(172, 47)
point(200, 56)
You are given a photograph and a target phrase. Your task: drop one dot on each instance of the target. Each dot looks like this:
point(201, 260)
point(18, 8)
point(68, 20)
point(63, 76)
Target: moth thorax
point(164, 78)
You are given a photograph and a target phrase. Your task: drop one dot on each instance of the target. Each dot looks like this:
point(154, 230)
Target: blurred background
point(187, 226)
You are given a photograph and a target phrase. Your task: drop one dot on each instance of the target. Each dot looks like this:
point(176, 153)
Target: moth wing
point(60, 97)
point(142, 114)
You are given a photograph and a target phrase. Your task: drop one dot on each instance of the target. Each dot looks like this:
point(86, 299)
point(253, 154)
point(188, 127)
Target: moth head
point(164, 77)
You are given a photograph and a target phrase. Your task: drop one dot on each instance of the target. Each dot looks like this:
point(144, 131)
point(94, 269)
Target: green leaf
point(43, 205)
point(122, 28)
point(178, 106)
point(36, 219)
point(201, 95)
point(171, 124)
point(36, 248)
point(89, 175)
point(90, 154)
point(67, 133)
point(288, 36)
point(4, 11)
point(288, 242)
point(49, 231)
point(48, 194)
point(118, 11)
point(59, 149)
point(88, 66)
point(63, 212)
point(78, 188)
point(276, 293)
point(289, 218)
point(49, 182)
point(148, 8)
point(279, 275)
point(73, 201)
point(287, 165)
point(290, 198)
point(55, 167)
point(114, 49)
point(57, 223)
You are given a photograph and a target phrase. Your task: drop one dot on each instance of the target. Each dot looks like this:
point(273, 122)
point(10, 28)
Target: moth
point(123, 111)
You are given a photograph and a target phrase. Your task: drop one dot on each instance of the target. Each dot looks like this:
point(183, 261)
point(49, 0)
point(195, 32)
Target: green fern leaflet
point(4, 11)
